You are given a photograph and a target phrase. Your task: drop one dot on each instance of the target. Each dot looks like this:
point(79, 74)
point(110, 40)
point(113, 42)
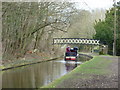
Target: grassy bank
point(20, 63)
point(95, 66)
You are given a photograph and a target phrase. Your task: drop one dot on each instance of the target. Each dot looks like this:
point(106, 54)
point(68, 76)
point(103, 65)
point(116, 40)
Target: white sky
point(83, 4)
point(93, 4)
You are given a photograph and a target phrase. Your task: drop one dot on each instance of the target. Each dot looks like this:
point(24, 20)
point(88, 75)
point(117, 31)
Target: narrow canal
point(37, 75)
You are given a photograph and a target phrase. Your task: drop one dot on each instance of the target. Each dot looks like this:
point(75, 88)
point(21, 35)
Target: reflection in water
point(70, 66)
point(36, 75)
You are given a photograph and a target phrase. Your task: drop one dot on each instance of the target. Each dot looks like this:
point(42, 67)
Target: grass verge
point(95, 66)
point(18, 63)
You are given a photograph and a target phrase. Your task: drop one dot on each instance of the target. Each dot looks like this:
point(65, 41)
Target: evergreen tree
point(105, 30)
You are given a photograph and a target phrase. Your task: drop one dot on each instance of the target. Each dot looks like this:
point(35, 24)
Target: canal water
point(37, 75)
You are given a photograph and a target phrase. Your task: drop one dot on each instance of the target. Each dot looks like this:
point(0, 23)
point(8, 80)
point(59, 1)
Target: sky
point(83, 4)
point(93, 4)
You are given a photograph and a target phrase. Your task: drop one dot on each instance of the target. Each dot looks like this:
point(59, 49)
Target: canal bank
point(99, 72)
point(29, 60)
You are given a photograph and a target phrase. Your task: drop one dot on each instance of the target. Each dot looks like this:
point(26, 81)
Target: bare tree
point(28, 25)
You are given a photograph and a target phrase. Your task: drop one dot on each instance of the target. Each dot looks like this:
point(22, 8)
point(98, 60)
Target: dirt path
point(108, 80)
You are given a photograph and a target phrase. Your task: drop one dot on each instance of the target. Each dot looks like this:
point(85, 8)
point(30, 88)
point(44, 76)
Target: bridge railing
point(75, 41)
